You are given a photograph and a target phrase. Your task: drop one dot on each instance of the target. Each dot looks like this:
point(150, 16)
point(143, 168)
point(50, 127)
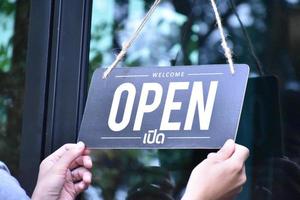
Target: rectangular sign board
point(164, 107)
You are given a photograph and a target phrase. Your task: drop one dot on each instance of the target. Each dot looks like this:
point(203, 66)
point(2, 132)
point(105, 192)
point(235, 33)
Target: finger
point(227, 150)
point(233, 194)
point(86, 151)
point(212, 155)
point(70, 155)
point(243, 176)
point(81, 186)
point(237, 191)
point(84, 161)
point(56, 155)
point(81, 174)
point(240, 154)
point(243, 170)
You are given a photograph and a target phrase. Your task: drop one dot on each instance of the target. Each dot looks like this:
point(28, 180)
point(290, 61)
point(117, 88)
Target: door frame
point(56, 80)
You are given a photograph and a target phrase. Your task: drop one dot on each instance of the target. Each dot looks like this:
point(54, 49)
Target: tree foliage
point(12, 65)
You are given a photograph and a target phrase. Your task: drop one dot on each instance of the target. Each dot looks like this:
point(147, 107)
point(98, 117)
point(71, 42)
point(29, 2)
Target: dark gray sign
point(164, 107)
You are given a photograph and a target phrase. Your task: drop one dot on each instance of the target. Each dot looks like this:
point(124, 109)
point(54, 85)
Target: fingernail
point(229, 142)
point(80, 145)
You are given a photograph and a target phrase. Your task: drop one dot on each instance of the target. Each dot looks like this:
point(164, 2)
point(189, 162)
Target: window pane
point(13, 42)
point(185, 33)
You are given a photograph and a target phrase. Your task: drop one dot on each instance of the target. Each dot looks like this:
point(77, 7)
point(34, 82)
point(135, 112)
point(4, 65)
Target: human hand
point(64, 174)
point(220, 176)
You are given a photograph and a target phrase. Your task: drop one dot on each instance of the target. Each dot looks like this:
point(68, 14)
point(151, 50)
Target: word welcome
point(167, 74)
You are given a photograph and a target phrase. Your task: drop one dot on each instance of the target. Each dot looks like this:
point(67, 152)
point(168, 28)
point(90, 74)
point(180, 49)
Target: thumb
point(241, 153)
point(227, 150)
point(70, 155)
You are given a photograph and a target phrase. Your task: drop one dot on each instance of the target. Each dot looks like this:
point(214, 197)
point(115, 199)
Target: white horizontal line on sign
point(121, 138)
point(205, 74)
point(188, 138)
point(131, 76)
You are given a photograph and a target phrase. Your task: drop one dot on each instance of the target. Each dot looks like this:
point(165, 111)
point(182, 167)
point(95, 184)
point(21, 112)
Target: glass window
point(13, 43)
point(185, 33)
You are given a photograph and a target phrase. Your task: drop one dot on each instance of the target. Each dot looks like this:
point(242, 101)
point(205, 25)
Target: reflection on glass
point(13, 43)
point(185, 31)
point(131, 174)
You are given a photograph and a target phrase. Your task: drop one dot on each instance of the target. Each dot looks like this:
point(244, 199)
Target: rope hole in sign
point(128, 44)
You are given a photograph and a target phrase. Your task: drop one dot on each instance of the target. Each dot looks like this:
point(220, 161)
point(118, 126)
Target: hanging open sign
point(164, 107)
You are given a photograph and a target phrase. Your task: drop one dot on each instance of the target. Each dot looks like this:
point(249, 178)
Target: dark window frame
point(56, 80)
